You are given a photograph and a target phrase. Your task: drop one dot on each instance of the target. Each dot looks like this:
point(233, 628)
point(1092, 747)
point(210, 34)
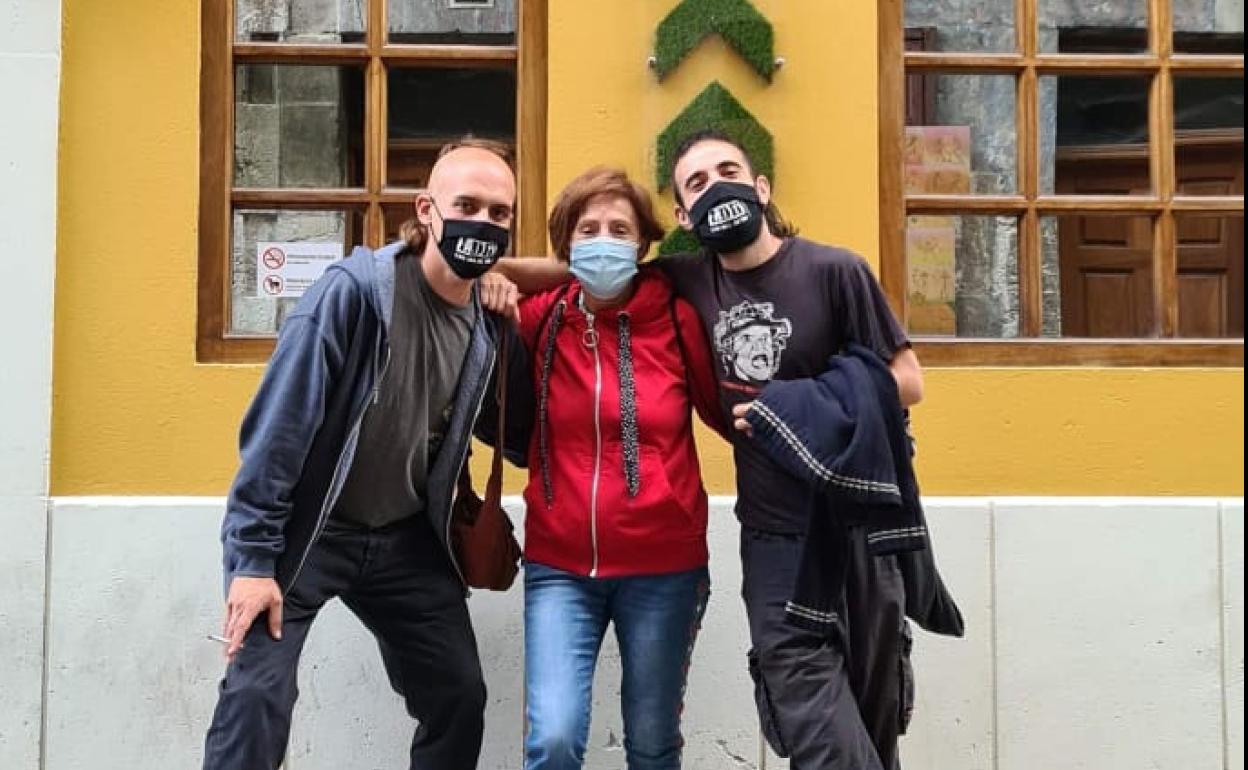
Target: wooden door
point(1106, 262)
point(1211, 249)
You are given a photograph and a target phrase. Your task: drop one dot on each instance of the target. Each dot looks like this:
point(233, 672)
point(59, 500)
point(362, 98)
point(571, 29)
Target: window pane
point(276, 254)
point(962, 276)
point(1094, 135)
point(1211, 275)
point(1079, 26)
point(1098, 276)
point(429, 107)
point(298, 126)
point(300, 21)
point(966, 142)
point(1209, 135)
point(466, 22)
point(962, 25)
point(1209, 27)
point(396, 214)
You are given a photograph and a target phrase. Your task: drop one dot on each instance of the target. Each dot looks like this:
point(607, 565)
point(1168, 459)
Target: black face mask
point(471, 247)
point(728, 217)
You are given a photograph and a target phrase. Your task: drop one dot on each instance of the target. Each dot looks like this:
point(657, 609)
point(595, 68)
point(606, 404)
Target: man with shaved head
point(350, 453)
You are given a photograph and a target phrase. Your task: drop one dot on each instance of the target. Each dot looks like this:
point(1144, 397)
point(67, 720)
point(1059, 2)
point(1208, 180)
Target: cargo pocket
point(905, 680)
point(766, 712)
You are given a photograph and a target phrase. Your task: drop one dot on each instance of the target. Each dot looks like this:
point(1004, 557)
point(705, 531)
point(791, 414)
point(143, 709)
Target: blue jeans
point(565, 618)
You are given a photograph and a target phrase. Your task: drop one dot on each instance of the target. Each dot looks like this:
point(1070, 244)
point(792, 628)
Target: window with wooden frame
point(320, 120)
point(1062, 183)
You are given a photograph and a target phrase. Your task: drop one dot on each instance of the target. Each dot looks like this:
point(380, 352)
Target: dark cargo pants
point(829, 703)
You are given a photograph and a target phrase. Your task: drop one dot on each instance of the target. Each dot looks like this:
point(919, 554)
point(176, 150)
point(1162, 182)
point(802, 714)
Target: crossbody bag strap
point(495, 484)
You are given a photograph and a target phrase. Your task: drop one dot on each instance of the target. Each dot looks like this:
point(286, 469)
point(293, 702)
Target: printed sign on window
point(937, 162)
point(288, 269)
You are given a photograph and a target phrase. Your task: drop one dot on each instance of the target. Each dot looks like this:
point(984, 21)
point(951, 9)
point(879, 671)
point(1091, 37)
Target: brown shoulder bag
point(481, 532)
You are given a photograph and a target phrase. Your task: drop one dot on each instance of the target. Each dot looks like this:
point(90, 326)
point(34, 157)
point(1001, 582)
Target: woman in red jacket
point(615, 531)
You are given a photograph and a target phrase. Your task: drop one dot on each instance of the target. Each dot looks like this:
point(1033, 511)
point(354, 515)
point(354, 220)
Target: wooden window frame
point(220, 54)
point(1027, 65)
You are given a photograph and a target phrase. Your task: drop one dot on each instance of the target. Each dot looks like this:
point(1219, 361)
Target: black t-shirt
point(782, 320)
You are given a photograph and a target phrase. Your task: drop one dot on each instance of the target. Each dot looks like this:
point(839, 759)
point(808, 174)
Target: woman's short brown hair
point(604, 182)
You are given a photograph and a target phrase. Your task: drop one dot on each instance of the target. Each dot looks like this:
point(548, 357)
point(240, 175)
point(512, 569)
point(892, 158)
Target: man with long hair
point(778, 307)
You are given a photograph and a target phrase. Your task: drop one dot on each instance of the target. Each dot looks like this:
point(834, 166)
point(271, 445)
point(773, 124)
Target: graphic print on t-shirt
point(750, 341)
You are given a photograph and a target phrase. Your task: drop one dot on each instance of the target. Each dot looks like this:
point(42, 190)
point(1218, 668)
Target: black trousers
point(828, 703)
point(400, 583)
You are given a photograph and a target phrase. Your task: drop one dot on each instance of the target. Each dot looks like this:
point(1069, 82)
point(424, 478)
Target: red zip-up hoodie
point(605, 500)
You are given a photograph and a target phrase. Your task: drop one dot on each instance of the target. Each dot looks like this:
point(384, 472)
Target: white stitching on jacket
point(820, 470)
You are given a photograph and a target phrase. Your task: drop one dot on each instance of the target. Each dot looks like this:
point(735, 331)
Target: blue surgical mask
point(604, 265)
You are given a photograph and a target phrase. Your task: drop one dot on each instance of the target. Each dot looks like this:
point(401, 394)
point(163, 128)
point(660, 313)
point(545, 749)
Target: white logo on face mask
point(727, 214)
point(476, 251)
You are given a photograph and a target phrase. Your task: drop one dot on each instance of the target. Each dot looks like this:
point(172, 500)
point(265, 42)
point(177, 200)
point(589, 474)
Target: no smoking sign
point(273, 258)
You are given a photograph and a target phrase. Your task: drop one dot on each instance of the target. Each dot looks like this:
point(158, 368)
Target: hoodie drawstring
point(543, 401)
point(628, 410)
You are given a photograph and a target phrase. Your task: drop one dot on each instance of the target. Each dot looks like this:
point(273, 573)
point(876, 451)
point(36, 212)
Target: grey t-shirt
point(402, 430)
point(782, 320)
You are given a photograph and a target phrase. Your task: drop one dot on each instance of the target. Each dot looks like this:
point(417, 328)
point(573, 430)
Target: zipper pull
point(378, 375)
point(590, 338)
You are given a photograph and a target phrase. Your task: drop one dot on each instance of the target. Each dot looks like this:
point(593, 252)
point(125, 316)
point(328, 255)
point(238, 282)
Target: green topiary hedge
point(738, 22)
point(679, 241)
point(715, 108)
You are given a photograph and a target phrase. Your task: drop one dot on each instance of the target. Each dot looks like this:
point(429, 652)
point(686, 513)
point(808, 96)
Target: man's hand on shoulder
point(499, 295)
point(248, 598)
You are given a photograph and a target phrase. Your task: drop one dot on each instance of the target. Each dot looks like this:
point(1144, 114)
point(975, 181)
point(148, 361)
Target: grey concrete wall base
point(1233, 629)
point(1108, 625)
point(955, 715)
point(1100, 634)
point(23, 526)
point(133, 591)
point(136, 587)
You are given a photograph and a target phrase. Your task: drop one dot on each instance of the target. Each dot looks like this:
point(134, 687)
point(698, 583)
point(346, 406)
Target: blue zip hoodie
point(299, 436)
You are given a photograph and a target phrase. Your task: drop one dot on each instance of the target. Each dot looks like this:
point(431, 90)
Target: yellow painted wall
point(134, 413)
